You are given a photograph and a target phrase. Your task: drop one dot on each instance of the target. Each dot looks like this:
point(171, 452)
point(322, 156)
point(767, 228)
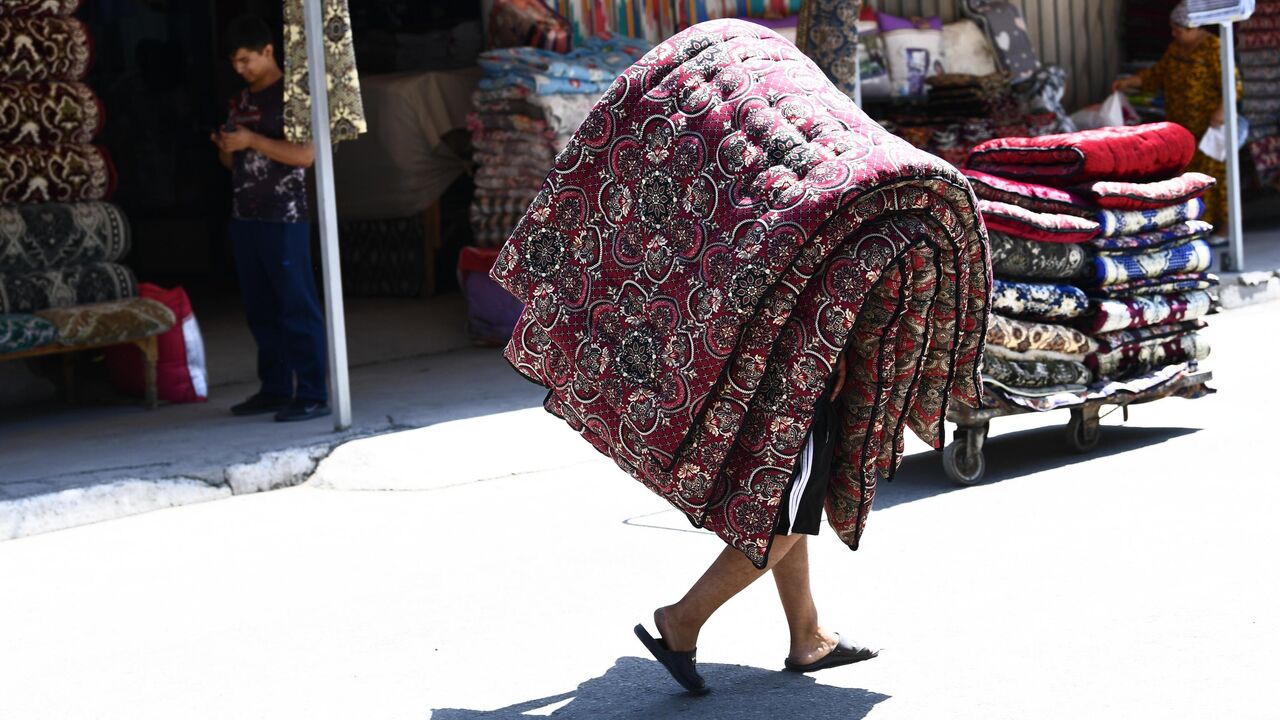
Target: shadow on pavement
point(1015, 455)
point(639, 688)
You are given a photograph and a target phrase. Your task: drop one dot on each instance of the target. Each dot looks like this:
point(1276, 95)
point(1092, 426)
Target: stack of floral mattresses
point(61, 281)
point(527, 107)
point(1259, 50)
point(1100, 257)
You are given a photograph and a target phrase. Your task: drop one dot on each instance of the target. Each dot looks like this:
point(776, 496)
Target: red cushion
point(1046, 227)
point(1138, 153)
point(1039, 198)
point(1150, 196)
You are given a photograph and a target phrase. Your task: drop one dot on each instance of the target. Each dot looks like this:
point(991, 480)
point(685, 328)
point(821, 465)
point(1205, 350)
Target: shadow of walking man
point(639, 688)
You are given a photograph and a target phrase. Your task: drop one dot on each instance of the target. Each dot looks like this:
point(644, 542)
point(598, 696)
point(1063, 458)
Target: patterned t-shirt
point(262, 188)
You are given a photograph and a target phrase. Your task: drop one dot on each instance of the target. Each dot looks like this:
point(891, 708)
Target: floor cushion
point(1044, 227)
point(110, 322)
point(1150, 196)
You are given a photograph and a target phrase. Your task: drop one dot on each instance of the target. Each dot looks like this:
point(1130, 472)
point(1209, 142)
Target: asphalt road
point(493, 568)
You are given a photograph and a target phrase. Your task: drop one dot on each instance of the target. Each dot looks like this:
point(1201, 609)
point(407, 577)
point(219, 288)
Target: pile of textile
point(1100, 257)
point(722, 226)
point(59, 245)
point(527, 107)
point(1259, 53)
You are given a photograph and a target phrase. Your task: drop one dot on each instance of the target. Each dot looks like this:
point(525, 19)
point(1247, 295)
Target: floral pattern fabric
point(1038, 300)
point(1044, 227)
point(1033, 260)
point(723, 223)
point(827, 31)
point(1135, 312)
point(95, 282)
point(1037, 198)
point(1115, 268)
point(1025, 337)
point(1132, 222)
point(41, 7)
point(1150, 196)
point(48, 113)
point(109, 323)
point(36, 237)
point(36, 49)
point(1164, 285)
point(57, 173)
point(1108, 342)
point(1182, 231)
point(346, 110)
point(1144, 356)
point(20, 332)
point(1036, 373)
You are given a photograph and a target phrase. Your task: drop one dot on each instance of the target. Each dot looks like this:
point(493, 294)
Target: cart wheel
point(963, 462)
point(1083, 433)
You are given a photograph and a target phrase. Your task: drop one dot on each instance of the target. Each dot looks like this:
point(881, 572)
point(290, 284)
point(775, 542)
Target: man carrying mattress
point(742, 290)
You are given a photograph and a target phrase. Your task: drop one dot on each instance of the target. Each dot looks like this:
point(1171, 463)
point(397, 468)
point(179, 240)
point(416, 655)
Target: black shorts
point(811, 478)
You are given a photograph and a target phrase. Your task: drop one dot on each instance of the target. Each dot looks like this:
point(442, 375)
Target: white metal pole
point(1234, 258)
point(317, 75)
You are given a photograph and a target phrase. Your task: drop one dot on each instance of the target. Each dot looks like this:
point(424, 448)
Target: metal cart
point(963, 460)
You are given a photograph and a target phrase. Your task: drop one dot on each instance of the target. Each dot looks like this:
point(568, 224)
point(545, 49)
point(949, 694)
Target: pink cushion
point(1045, 227)
point(1150, 196)
point(1039, 198)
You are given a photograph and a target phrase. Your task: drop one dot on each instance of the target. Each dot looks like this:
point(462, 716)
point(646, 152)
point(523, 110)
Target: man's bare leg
point(809, 640)
point(731, 572)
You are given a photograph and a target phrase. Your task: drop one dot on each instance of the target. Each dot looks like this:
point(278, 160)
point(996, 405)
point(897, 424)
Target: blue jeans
point(273, 261)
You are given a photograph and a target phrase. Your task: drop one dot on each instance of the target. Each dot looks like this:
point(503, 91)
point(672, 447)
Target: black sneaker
point(303, 410)
point(260, 404)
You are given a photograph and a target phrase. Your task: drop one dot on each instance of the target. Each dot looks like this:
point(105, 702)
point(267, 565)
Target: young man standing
point(271, 234)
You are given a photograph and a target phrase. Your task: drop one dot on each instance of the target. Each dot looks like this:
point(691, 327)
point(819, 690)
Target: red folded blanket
point(1143, 152)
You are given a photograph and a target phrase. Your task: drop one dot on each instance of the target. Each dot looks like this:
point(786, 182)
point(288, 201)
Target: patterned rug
point(36, 237)
point(720, 227)
point(50, 113)
point(95, 282)
point(36, 49)
point(58, 173)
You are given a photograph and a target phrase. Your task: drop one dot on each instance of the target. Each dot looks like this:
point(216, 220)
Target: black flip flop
point(683, 666)
point(844, 653)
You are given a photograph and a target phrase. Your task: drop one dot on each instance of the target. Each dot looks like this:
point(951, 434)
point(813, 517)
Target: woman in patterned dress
point(1190, 76)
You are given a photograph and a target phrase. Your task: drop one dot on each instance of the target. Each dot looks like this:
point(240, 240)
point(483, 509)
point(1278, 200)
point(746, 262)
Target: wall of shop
point(1083, 36)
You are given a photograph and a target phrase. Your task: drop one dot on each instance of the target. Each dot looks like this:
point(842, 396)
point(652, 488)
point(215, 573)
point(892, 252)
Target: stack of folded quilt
point(59, 244)
point(1100, 256)
point(1259, 53)
point(527, 107)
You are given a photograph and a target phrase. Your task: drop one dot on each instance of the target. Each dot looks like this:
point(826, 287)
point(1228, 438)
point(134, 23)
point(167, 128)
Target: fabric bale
point(40, 48)
point(21, 331)
point(1150, 196)
point(62, 287)
point(1022, 336)
point(1037, 198)
point(1141, 357)
point(1039, 300)
point(54, 173)
point(1154, 151)
point(1135, 312)
point(1033, 260)
point(1114, 268)
point(1044, 227)
point(1132, 222)
point(723, 223)
point(58, 235)
point(48, 113)
point(1178, 232)
point(1172, 284)
point(1036, 373)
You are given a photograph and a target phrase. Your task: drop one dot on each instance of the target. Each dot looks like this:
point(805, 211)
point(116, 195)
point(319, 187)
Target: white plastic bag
point(1112, 112)
point(1214, 143)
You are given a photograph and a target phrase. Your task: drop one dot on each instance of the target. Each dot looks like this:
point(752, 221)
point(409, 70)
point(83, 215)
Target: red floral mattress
point(1155, 151)
point(720, 227)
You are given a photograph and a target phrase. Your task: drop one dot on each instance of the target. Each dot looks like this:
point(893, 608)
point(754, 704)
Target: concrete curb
point(1251, 288)
point(122, 498)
